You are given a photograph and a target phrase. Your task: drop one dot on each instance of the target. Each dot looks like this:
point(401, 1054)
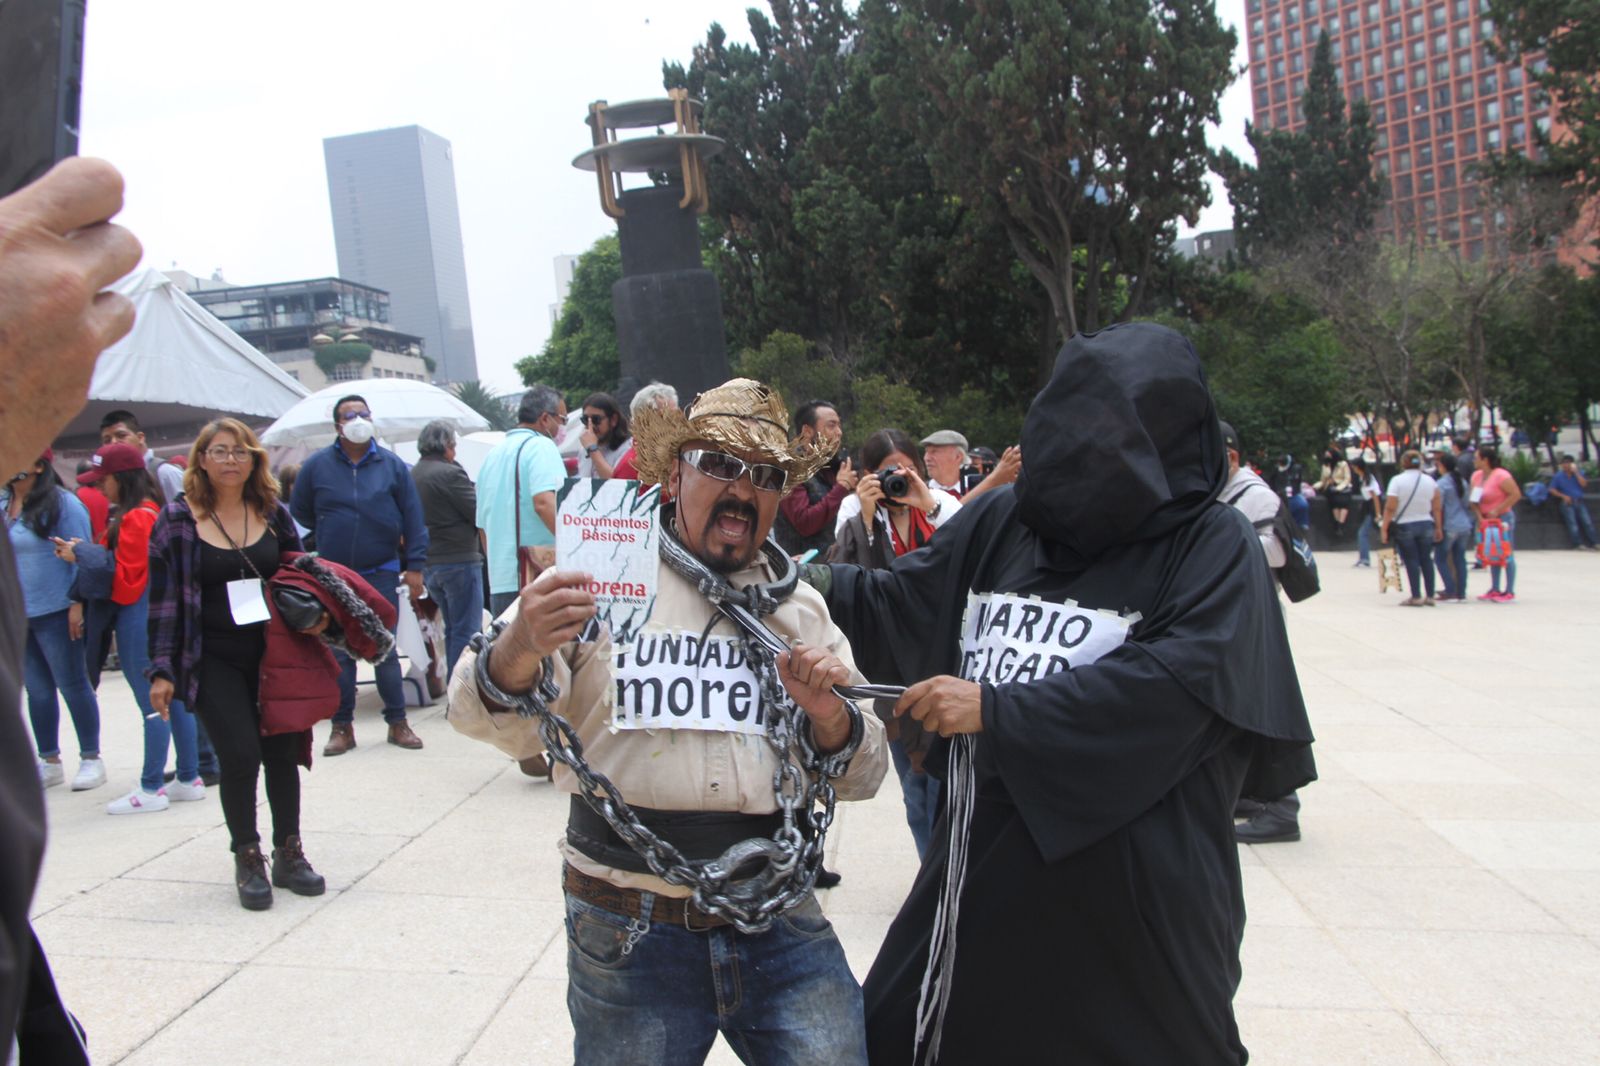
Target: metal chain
point(790, 860)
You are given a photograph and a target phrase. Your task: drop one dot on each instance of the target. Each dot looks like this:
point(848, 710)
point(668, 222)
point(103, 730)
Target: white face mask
point(358, 431)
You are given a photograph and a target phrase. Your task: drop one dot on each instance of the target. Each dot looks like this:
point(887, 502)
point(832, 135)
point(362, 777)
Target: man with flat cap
point(1101, 653)
point(684, 720)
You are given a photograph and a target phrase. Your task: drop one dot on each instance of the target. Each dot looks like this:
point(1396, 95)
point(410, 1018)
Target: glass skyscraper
point(396, 226)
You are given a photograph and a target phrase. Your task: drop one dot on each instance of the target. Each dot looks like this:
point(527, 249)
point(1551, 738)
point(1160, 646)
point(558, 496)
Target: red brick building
point(1439, 100)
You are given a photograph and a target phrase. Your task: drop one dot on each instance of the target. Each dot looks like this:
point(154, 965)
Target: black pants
point(230, 677)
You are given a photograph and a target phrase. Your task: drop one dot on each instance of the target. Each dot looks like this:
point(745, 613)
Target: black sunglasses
point(725, 467)
point(593, 420)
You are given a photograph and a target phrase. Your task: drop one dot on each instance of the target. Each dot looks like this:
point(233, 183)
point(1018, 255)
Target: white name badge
point(1010, 638)
point(1476, 496)
point(671, 680)
point(248, 601)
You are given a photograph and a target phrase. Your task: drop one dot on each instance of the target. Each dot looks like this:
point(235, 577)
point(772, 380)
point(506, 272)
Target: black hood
point(1122, 445)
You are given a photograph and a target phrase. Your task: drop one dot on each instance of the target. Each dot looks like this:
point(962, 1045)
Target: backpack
point(1298, 574)
point(1537, 493)
point(1494, 547)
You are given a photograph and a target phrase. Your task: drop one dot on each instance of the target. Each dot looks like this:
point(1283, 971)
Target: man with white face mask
point(360, 503)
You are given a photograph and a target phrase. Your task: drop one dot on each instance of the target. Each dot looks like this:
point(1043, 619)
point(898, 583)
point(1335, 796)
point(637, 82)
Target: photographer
point(893, 510)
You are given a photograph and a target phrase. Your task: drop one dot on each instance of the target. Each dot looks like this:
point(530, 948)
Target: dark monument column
point(668, 307)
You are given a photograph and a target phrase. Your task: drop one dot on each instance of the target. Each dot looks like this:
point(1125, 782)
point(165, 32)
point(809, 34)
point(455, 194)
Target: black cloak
point(1102, 911)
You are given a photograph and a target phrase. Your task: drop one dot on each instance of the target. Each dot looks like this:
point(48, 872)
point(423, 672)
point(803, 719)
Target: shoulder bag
point(531, 561)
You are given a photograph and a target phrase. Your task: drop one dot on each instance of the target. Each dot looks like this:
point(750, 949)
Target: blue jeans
point(921, 793)
point(133, 649)
point(389, 673)
point(1577, 518)
point(1415, 543)
point(659, 994)
point(1364, 537)
point(458, 590)
point(1450, 556)
point(1300, 511)
point(499, 601)
point(55, 661)
point(1510, 521)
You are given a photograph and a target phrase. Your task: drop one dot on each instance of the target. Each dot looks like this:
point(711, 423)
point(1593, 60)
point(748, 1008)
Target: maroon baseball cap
point(112, 459)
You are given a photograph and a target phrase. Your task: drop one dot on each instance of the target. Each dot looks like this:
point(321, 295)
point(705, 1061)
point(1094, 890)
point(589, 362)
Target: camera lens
point(895, 484)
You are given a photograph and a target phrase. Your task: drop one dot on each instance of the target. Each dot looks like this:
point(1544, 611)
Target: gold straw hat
point(743, 416)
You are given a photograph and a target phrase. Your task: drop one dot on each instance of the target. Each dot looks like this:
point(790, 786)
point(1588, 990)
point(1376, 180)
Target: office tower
point(396, 227)
point(1440, 102)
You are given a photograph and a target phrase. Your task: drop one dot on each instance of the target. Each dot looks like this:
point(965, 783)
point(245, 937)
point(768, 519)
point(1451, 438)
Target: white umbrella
point(400, 409)
point(471, 450)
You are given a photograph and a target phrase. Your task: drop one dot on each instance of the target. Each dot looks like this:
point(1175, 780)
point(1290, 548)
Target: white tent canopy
point(400, 409)
point(180, 367)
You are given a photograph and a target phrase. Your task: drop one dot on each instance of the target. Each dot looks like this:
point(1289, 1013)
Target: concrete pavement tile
point(1430, 711)
point(335, 807)
point(1278, 1037)
point(379, 766)
point(1573, 896)
point(1286, 966)
point(1357, 842)
point(535, 812)
point(1526, 739)
point(531, 1026)
point(874, 882)
point(369, 931)
point(1268, 902)
point(124, 1002)
point(1534, 975)
point(1502, 845)
point(342, 858)
point(1345, 709)
point(860, 935)
point(270, 1015)
point(1332, 795)
point(503, 866)
point(1397, 736)
point(1571, 776)
point(1376, 766)
point(78, 863)
point(1459, 800)
point(1579, 714)
point(1400, 898)
point(130, 919)
point(1503, 1041)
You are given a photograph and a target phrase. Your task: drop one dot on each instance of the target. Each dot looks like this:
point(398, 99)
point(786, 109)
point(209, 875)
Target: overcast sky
point(215, 113)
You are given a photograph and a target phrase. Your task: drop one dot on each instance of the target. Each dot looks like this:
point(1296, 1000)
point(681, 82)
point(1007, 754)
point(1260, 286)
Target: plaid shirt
point(175, 593)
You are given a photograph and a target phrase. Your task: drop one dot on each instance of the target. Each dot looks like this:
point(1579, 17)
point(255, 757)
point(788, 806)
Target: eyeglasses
point(351, 416)
point(219, 454)
point(593, 420)
point(725, 467)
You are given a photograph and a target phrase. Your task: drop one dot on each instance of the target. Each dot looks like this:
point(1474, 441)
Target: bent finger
point(77, 192)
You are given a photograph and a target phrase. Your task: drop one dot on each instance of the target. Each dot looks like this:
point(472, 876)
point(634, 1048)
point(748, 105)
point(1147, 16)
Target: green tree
point(1078, 127)
point(581, 355)
point(1565, 36)
point(1313, 186)
point(476, 395)
point(331, 357)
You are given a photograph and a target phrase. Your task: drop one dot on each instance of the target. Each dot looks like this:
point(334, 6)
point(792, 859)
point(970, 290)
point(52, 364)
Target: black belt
point(699, 835)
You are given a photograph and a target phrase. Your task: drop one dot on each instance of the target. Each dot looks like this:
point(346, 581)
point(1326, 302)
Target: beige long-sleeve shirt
point(686, 737)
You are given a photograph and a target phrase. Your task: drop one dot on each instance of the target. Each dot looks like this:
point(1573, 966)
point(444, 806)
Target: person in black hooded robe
point(1103, 651)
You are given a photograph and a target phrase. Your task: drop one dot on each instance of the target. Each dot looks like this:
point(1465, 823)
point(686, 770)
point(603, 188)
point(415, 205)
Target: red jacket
point(299, 675)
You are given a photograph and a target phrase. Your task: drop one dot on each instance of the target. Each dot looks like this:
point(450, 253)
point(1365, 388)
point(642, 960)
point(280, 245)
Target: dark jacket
point(450, 508)
point(806, 515)
point(175, 595)
point(299, 675)
point(365, 514)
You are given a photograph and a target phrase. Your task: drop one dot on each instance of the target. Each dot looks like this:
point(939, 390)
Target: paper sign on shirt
point(1005, 637)
point(611, 529)
point(248, 601)
point(676, 680)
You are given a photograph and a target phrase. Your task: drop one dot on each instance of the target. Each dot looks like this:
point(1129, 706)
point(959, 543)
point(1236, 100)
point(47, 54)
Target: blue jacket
point(366, 515)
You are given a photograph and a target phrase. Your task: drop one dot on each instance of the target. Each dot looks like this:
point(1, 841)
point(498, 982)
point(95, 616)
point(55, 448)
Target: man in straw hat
point(690, 724)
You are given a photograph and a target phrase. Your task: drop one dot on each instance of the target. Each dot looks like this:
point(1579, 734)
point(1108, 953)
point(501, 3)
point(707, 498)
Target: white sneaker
point(91, 774)
point(51, 774)
point(186, 791)
point(139, 802)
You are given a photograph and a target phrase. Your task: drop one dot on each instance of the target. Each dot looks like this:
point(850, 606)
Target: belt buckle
point(690, 912)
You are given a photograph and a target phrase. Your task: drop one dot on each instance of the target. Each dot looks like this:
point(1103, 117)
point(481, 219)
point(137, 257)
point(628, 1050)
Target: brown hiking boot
point(341, 740)
point(400, 735)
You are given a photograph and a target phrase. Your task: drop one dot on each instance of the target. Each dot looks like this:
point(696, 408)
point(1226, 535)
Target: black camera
point(895, 485)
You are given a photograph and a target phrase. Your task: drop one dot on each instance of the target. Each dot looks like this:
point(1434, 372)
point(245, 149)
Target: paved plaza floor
point(1443, 907)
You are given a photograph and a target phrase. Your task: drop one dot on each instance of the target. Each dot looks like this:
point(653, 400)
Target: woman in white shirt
point(1371, 509)
point(1413, 519)
point(875, 526)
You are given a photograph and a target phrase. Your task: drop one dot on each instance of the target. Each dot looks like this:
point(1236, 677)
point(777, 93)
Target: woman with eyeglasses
point(119, 470)
point(38, 513)
point(605, 439)
point(212, 554)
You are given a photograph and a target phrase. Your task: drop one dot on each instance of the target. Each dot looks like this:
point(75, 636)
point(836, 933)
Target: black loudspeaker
point(669, 329)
